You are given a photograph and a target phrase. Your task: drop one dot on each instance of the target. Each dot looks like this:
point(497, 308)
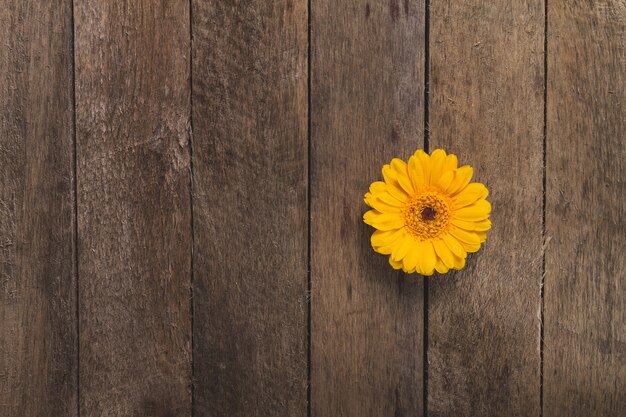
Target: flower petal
point(460, 264)
point(416, 173)
point(464, 224)
point(394, 264)
point(402, 175)
point(380, 205)
point(389, 199)
point(464, 236)
point(445, 254)
point(378, 187)
point(402, 248)
point(454, 245)
point(441, 267)
point(424, 159)
point(410, 260)
point(393, 186)
point(426, 259)
point(385, 237)
point(471, 247)
point(482, 226)
point(437, 159)
point(477, 211)
point(462, 177)
point(444, 180)
point(383, 221)
point(470, 194)
point(450, 163)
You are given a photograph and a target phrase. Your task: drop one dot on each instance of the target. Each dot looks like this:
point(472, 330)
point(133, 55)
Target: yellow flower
point(427, 214)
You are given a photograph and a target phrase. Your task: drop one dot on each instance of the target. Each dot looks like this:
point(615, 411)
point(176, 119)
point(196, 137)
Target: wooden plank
point(367, 107)
point(38, 361)
point(585, 283)
point(134, 209)
point(486, 106)
point(250, 208)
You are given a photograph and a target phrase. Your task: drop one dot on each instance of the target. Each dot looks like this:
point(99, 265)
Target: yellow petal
point(460, 263)
point(394, 264)
point(383, 250)
point(464, 236)
point(470, 194)
point(464, 224)
point(378, 187)
point(385, 237)
point(383, 221)
point(450, 163)
point(471, 247)
point(393, 187)
point(445, 254)
point(389, 199)
point(402, 175)
point(402, 248)
point(443, 182)
point(410, 260)
point(476, 226)
point(424, 159)
point(482, 236)
point(426, 259)
point(482, 226)
point(477, 211)
point(454, 245)
point(437, 159)
point(416, 173)
point(462, 177)
point(440, 267)
point(381, 206)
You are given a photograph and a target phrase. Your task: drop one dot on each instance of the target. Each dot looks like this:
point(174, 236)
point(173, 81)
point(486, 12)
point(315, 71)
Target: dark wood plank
point(134, 210)
point(585, 283)
point(38, 361)
point(486, 106)
point(250, 207)
point(367, 107)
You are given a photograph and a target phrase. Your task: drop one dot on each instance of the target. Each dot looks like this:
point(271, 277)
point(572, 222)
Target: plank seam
point(544, 205)
point(309, 229)
point(75, 207)
point(426, 148)
point(191, 213)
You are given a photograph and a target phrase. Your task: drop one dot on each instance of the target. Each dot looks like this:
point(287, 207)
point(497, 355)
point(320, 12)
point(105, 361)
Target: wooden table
point(181, 207)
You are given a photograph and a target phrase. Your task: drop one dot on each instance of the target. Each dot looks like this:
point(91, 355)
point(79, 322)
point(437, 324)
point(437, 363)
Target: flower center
point(426, 215)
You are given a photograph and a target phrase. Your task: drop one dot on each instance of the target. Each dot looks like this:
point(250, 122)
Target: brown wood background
point(181, 197)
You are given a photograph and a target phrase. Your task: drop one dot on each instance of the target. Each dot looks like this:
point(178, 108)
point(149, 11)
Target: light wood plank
point(250, 208)
point(486, 106)
point(134, 210)
point(367, 107)
point(38, 360)
point(585, 283)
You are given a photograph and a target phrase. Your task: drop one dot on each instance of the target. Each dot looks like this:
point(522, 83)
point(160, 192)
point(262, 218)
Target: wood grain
point(585, 282)
point(134, 209)
point(486, 106)
point(367, 107)
point(38, 361)
point(250, 208)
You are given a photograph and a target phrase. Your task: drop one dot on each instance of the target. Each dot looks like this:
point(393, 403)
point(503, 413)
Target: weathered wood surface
point(181, 288)
point(367, 100)
point(134, 209)
point(250, 208)
point(486, 106)
point(38, 365)
point(585, 282)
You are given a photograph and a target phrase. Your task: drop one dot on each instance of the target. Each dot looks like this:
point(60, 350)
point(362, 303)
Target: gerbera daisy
point(427, 214)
